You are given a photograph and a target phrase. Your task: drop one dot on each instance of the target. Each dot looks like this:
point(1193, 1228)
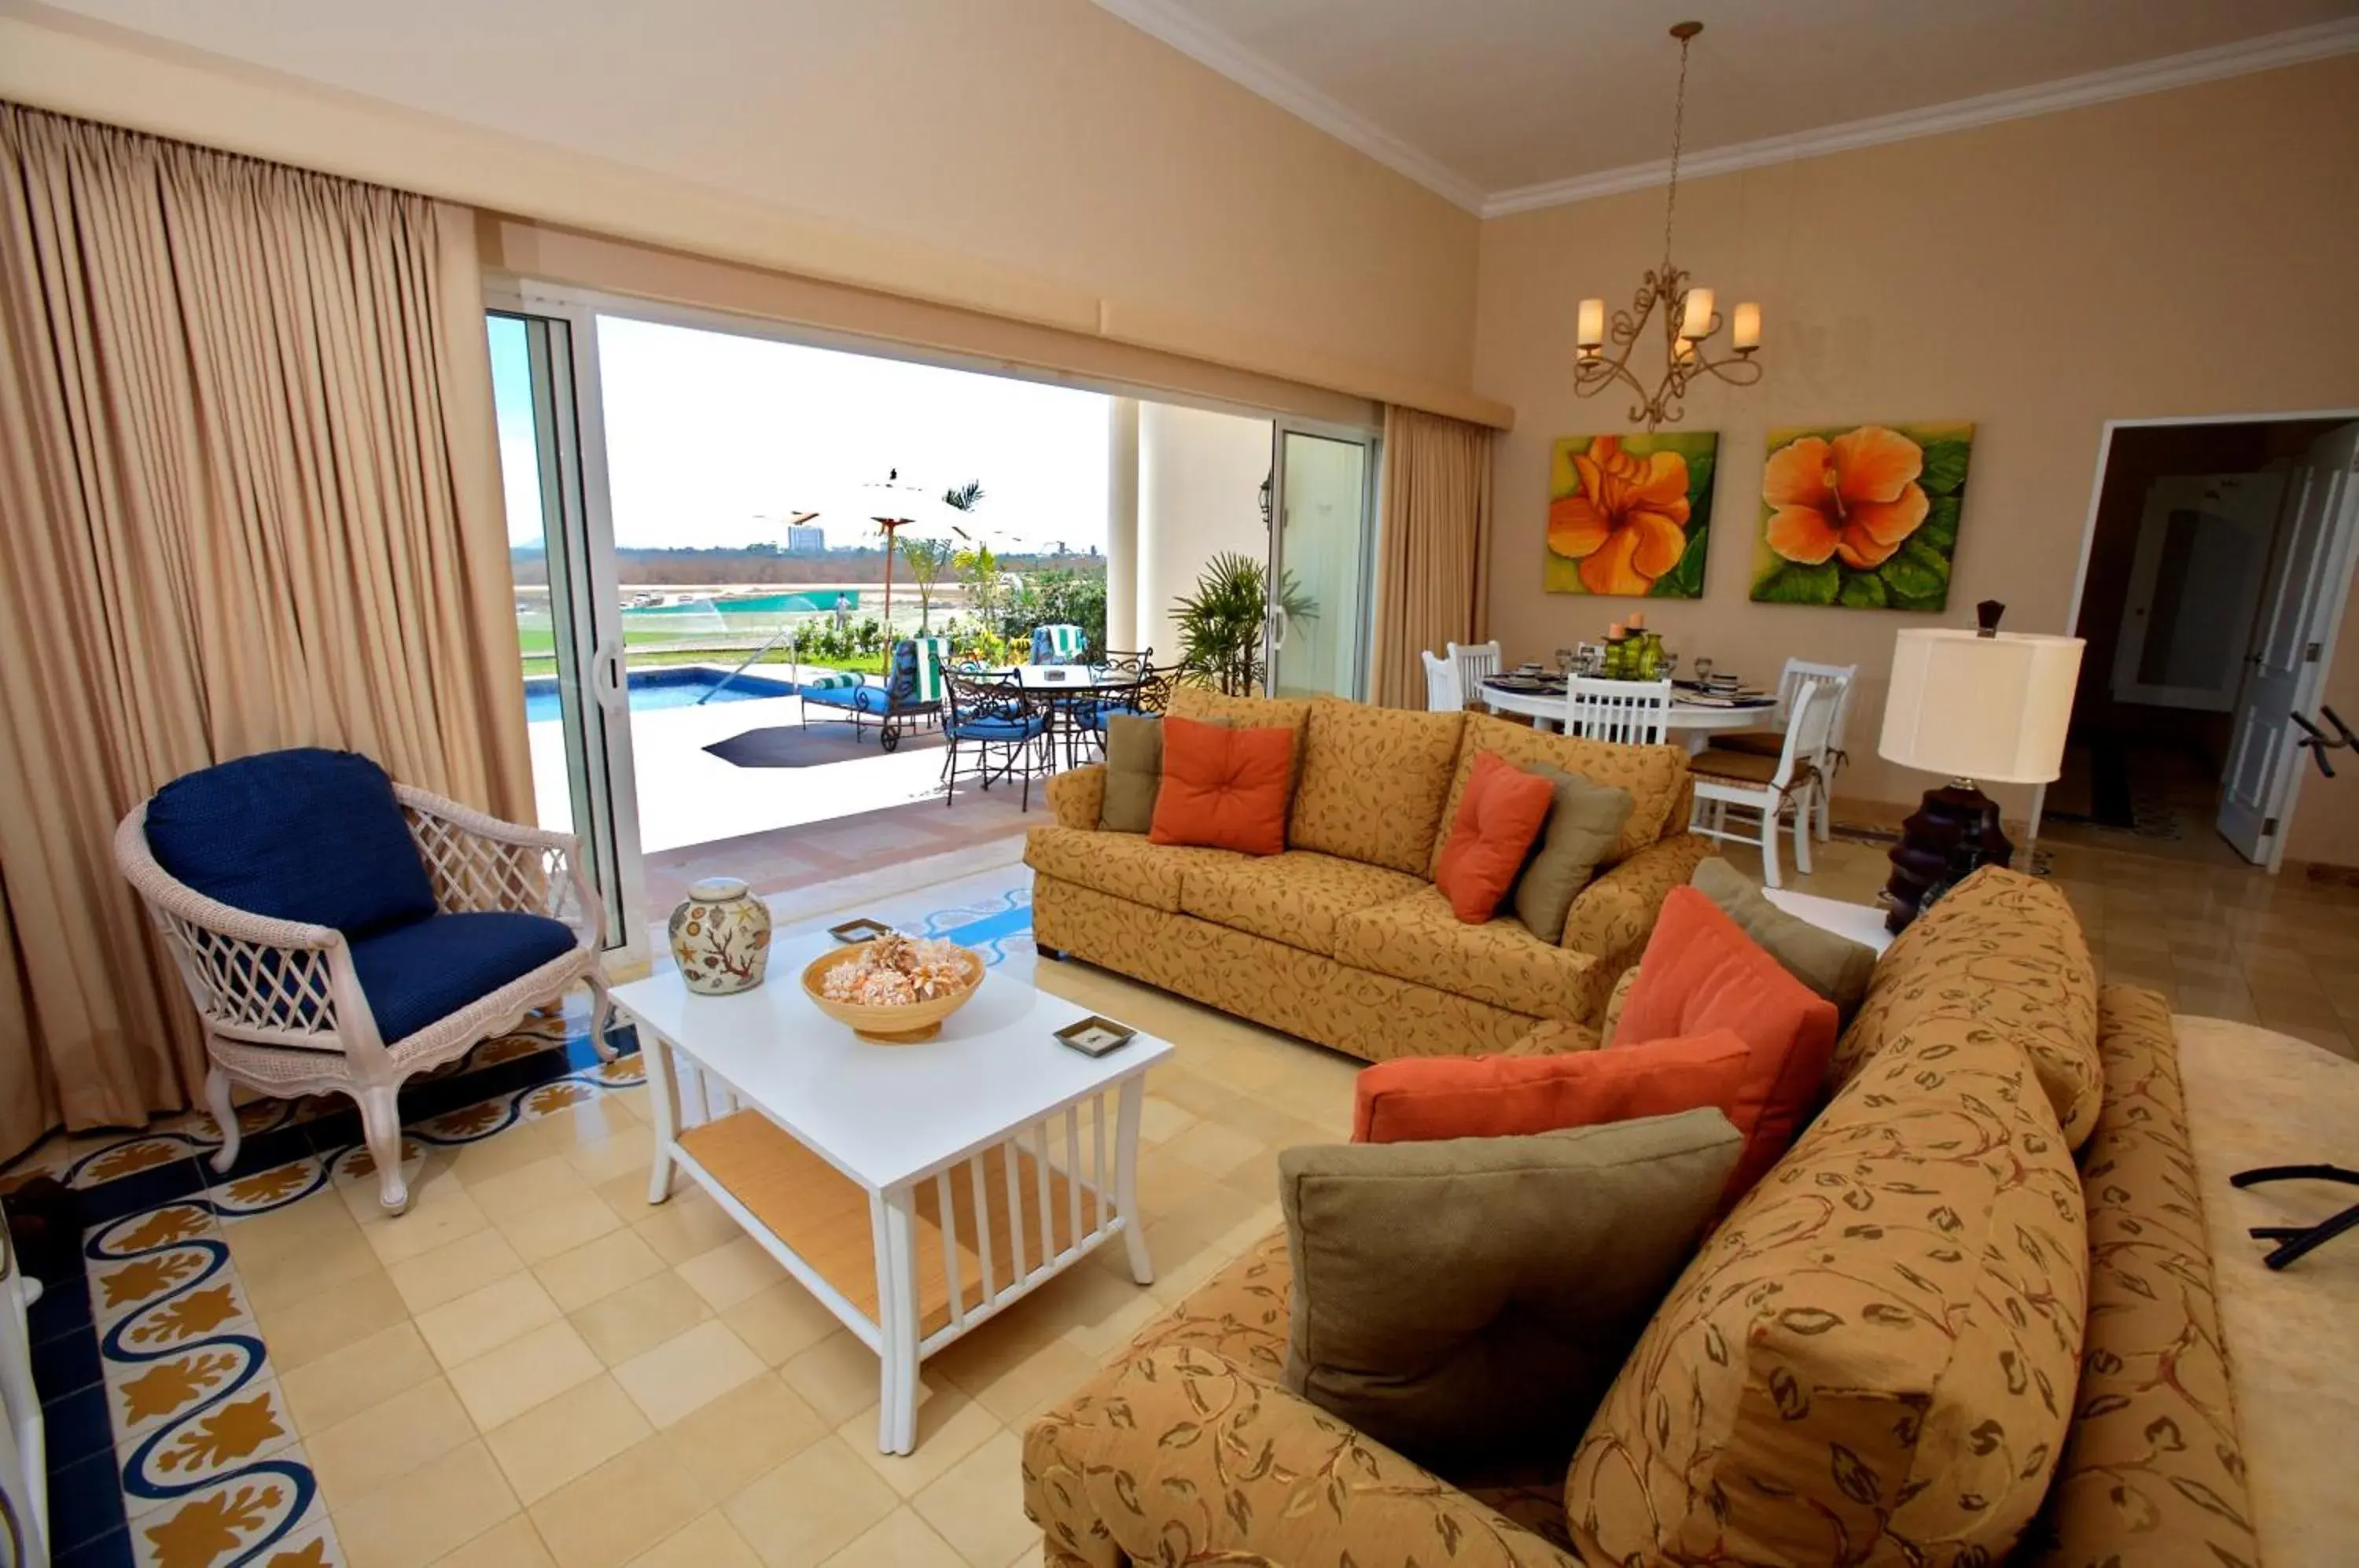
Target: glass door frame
point(570, 431)
point(1274, 619)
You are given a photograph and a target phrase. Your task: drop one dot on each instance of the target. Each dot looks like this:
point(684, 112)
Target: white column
point(1199, 477)
point(1122, 523)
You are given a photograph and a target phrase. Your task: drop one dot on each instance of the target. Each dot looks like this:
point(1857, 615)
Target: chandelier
point(1688, 320)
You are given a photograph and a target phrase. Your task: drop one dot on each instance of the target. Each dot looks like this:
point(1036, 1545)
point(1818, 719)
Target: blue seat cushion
point(306, 834)
point(1097, 716)
point(417, 973)
point(998, 729)
point(859, 699)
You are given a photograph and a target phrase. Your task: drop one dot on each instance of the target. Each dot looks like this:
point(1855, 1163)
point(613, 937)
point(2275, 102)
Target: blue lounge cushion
point(304, 835)
point(417, 973)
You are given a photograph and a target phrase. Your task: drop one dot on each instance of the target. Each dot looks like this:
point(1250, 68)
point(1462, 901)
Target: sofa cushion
point(1297, 898)
point(1476, 1295)
point(1420, 939)
point(1584, 824)
point(2153, 1473)
point(1207, 706)
point(1134, 773)
point(415, 975)
point(1223, 788)
point(1371, 782)
point(1702, 972)
point(1125, 866)
point(303, 835)
point(1654, 776)
point(1835, 966)
point(1872, 1360)
point(1422, 1097)
point(1498, 819)
point(2005, 951)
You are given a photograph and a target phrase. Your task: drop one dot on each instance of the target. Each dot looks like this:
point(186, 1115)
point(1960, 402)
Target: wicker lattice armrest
point(478, 862)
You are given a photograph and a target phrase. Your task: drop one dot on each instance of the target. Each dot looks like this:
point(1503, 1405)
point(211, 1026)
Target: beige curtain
point(1433, 572)
point(249, 497)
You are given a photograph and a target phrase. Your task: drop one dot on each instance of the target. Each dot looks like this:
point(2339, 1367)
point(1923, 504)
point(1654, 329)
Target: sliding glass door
point(1323, 555)
point(569, 625)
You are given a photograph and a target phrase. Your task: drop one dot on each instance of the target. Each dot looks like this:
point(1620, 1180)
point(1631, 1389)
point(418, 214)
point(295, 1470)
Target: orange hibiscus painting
point(1628, 515)
point(1864, 516)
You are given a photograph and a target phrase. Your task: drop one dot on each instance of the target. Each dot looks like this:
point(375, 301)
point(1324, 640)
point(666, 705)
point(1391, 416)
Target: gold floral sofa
point(1970, 1317)
point(1344, 939)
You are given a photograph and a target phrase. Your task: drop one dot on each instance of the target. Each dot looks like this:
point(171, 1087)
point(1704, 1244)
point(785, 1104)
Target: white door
point(568, 622)
point(1321, 559)
point(2294, 645)
point(2202, 557)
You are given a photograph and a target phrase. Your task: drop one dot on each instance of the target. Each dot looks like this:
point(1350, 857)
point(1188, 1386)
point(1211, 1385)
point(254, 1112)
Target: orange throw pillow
point(1499, 816)
point(1418, 1098)
point(1222, 787)
point(1702, 972)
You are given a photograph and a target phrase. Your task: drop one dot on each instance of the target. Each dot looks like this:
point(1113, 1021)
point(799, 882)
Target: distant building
point(806, 539)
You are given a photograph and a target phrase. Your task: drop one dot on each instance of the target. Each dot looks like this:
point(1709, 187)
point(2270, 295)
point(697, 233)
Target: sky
point(714, 439)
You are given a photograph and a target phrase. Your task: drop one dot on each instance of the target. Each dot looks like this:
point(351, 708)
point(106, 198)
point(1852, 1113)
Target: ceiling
point(1501, 104)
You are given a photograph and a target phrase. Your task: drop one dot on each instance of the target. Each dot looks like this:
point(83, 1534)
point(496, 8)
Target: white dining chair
point(1835, 679)
point(1475, 662)
point(1629, 712)
point(1443, 694)
point(1765, 788)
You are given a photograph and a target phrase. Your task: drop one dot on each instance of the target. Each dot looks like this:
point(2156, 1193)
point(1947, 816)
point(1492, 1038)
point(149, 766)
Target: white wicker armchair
point(281, 1001)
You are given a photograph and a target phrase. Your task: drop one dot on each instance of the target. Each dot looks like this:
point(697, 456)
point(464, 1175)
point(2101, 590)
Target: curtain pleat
point(1433, 576)
point(248, 498)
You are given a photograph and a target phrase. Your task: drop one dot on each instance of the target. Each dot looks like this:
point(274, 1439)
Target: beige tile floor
point(535, 1367)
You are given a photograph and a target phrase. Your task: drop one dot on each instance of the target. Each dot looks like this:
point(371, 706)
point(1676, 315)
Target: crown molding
point(1209, 46)
point(2265, 53)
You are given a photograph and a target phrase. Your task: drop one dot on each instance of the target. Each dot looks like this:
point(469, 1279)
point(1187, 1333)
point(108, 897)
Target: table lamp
point(1982, 705)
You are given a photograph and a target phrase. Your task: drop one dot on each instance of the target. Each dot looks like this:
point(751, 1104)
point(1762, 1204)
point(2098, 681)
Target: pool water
point(652, 688)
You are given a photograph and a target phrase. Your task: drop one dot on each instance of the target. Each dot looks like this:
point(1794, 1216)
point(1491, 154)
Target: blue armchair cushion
point(998, 729)
point(306, 834)
point(428, 969)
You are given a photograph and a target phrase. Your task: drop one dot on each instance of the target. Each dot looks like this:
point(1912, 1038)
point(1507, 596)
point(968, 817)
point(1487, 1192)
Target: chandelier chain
point(1679, 131)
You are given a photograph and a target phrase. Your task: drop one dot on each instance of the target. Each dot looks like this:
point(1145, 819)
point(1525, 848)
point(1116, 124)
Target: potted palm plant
point(1221, 622)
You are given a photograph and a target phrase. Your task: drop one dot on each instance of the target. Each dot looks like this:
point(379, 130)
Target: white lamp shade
point(1993, 709)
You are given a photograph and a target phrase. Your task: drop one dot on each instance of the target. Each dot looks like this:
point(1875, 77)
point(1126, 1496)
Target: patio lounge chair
point(1061, 644)
point(910, 696)
point(340, 933)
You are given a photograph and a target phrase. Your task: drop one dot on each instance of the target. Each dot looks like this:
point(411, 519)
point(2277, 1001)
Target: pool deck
point(688, 796)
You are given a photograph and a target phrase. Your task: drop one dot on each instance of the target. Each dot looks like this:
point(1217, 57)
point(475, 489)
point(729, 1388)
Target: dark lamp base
point(1953, 830)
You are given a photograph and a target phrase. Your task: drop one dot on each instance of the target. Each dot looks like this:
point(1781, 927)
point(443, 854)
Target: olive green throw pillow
point(1133, 776)
point(1477, 1296)
point(1835, 966)
point(1584, 825)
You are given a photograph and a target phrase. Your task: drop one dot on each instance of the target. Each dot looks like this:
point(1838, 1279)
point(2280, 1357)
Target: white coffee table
point(843, 1158)
point(1863, 924)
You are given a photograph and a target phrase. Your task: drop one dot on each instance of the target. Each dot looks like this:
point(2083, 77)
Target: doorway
point(2214, 574)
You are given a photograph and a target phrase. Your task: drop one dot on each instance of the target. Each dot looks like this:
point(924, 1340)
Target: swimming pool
point(683, 686)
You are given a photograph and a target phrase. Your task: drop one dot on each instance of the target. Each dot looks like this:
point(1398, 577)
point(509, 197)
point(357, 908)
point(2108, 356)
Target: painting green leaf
point(1939, 528)
point(1918, 572)
point(1863, 591)
point(1932, 603)
point(1794, 583)
point(1685, 581)
point(1945, 467)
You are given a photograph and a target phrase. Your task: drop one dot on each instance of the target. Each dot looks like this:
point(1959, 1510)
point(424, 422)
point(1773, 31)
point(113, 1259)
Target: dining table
point(1066, 691)
point(1693, 719)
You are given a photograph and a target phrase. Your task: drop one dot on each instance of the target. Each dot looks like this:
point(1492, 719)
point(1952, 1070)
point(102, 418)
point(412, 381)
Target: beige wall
point(1034, 158)
point(2188, 252)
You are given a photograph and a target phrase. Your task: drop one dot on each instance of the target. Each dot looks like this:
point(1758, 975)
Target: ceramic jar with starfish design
point(721, 937)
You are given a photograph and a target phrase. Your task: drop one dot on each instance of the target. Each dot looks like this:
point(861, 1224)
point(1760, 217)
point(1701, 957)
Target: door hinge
point(2310, 655)
point(2268, 827)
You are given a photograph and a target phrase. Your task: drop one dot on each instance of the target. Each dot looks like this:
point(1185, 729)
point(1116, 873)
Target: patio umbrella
point(893, 506)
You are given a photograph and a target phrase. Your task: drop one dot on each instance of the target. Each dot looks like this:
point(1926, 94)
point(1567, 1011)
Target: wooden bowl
point(905, 1025)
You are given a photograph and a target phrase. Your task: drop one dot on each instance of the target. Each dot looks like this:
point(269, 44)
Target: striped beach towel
point(929, 655)
point(1058, 644)
point(826, 678)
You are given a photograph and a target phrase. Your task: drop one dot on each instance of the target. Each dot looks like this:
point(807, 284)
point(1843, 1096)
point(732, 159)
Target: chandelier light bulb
point(1696, 321)
point(1745, 330)
point(1592, 324)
